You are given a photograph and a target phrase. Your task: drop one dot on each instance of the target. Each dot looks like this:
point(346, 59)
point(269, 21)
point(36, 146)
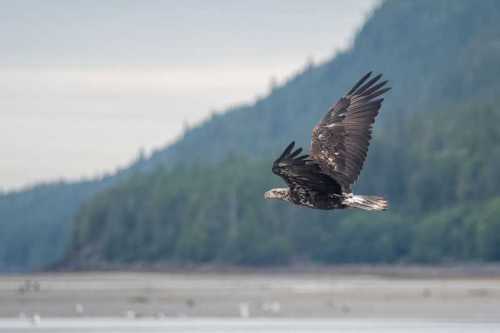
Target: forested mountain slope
point(440, 56)
point(34, 224)
point(440, 178)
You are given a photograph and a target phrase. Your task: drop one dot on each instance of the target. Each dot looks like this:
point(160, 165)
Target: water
point(184, 325)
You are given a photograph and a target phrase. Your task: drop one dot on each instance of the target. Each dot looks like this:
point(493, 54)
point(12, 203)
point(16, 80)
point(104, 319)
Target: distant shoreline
point(452, 270)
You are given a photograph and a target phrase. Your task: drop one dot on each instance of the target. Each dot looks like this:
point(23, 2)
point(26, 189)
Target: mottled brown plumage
point(340, 141)
point(338, 150)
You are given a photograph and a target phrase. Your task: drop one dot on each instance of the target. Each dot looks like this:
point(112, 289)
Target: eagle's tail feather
point(366, 202)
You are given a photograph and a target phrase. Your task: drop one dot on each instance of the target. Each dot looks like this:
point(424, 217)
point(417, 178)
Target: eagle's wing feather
point(301, 171)
point(340, 141)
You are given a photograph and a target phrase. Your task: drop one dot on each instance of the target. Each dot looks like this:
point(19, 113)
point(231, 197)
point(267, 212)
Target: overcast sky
point(84, 85)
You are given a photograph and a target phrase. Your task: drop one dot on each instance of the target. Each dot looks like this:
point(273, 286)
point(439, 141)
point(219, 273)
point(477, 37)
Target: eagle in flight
point(323, 179)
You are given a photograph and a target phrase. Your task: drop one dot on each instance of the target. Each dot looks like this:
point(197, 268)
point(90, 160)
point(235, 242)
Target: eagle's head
point(278, 193)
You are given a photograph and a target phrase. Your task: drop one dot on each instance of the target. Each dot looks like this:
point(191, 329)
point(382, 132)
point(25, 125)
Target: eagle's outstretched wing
point(340, 141)
point(302, 171)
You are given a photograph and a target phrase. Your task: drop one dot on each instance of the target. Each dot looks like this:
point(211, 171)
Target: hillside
point(439, 55)
point(34, 224)
point(443, 189)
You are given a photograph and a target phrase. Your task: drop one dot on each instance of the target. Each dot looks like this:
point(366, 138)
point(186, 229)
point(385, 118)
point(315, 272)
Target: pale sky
point(84, 85)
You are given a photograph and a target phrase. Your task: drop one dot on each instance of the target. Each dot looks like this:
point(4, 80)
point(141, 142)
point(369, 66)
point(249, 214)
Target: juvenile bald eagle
point(339, 146)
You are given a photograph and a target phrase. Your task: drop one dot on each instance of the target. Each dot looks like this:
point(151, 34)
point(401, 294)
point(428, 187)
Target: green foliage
point(364, 237)
point(188, 214)
point(488, 231)
point(446, 235)
point(34, 225)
